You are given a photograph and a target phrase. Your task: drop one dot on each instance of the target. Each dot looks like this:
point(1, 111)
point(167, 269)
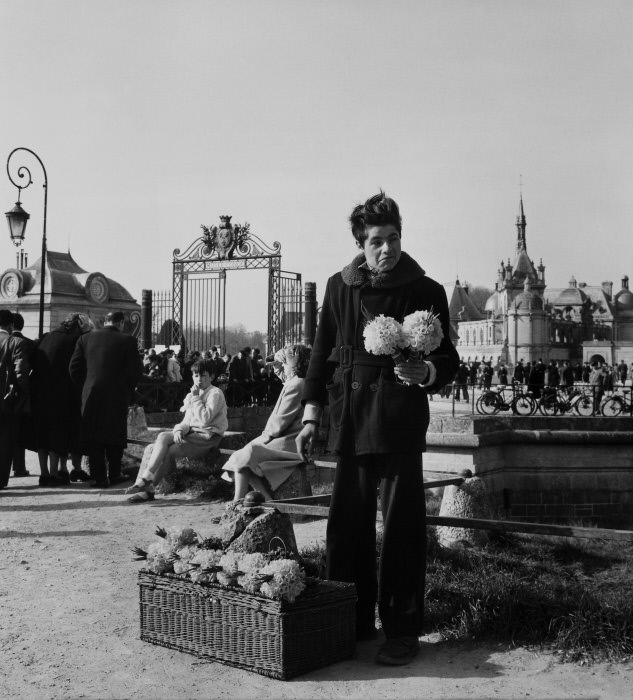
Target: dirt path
point(69, 620)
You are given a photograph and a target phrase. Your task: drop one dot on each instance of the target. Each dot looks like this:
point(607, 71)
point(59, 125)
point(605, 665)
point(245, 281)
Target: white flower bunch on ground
point(384, 336)
point(422, 332)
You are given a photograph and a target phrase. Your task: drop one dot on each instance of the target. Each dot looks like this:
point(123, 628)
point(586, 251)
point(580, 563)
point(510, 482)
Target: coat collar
point(407, 270)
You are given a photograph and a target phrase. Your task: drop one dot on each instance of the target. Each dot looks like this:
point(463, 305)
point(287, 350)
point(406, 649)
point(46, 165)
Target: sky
point(153, 117)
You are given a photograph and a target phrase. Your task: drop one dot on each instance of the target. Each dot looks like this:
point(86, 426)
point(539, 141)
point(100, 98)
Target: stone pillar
point(309, 313)
point(146, 319)
point(469, 500)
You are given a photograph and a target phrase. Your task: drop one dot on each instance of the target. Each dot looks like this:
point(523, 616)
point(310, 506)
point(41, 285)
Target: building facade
point(524, 319)
point(68, 288)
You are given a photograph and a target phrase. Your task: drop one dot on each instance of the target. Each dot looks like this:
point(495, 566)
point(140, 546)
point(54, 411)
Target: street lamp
point(17, 217)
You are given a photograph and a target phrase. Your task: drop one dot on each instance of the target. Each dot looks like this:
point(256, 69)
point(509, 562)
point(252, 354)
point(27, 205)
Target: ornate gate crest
point(199, 286)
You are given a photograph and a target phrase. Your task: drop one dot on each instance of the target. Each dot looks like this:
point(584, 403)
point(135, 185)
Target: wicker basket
point(249, 631)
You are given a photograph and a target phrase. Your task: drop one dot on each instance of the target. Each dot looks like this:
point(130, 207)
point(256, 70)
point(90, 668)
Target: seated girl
point(268, 460)
point(196, 435)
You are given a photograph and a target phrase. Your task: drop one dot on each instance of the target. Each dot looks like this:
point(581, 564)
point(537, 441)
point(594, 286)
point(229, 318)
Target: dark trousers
point(97, 456)
point(398, 586)
point(7, 443)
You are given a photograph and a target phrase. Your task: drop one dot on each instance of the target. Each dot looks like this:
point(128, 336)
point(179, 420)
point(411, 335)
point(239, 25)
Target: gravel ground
point(69, 619)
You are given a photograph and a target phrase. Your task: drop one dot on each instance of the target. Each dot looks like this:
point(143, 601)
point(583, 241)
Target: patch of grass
point(572, 597)
point(574, 600)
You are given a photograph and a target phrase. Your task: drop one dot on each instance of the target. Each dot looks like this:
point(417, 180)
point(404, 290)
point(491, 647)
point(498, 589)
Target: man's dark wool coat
point(107, 366)
point(371, 413)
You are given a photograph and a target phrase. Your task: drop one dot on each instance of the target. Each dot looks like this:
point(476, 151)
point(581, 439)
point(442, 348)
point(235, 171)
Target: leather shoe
point(100, 484)
point(398, 651)
point(79, 475)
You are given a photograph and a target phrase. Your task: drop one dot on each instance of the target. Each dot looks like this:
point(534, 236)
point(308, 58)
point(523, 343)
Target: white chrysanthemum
point(207, 557)
point(181, 566)
point(178, 537)
point(159, 563)
point(383, 336)
point(230, 562)
point(288, 580)
point(252, 561)
point(158, 548)
point(188, 552)
point(422, 331)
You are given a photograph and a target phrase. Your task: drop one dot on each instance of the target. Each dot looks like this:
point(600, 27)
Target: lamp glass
point(17, 219)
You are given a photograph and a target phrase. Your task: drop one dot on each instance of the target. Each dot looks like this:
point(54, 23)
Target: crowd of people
point(245, 378)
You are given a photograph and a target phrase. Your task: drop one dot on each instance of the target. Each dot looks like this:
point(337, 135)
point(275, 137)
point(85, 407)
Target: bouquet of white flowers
point(418, 335)
point(183, 552)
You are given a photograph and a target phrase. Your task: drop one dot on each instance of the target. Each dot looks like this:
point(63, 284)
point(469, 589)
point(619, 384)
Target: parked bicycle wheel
point(584, 405)
point(488, 403)
point(523, 405)
point(548, 405)
point(612, 406)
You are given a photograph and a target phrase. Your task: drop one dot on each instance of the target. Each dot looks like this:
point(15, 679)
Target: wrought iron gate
point(199, 287)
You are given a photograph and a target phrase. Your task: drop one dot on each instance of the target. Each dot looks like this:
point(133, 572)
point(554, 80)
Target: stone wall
point(542, 469)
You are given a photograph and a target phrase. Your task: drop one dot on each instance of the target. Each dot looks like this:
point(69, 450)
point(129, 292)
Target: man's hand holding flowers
point(418, 335)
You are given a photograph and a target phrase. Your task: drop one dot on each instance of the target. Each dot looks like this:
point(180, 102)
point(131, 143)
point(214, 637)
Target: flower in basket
point(288, 580)
point(205, 565)
point(250, 579)
point(383, 335)
point(159, 559)
point(230, 568)
point(182, 558)
point(178, 537)
point(423, 332)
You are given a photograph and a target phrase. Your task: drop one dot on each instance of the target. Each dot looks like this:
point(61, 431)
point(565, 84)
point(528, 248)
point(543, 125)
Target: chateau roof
point(460, 306)
point(65, 277)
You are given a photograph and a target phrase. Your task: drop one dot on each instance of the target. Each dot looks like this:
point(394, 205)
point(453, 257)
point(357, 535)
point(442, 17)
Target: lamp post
point(17, 217)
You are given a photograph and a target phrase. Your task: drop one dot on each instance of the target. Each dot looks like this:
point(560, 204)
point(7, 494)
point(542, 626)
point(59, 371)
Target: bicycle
point(617, 404)
point(506, 398)
point(563, 400)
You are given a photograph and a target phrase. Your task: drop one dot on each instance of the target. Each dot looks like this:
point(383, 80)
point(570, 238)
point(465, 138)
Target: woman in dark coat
point(377, 427)
point(56, 403)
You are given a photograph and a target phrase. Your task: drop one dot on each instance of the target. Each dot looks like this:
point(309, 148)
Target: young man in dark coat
point(377, 427)
point(107, 366)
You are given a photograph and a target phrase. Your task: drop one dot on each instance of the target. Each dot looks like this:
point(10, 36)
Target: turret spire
point(521, 225)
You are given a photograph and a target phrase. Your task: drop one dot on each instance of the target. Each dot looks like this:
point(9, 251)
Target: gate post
point(146, 319)
point(309, 313)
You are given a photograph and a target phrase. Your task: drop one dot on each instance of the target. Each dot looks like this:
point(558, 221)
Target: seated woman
point(268, 460)
point(200, 430)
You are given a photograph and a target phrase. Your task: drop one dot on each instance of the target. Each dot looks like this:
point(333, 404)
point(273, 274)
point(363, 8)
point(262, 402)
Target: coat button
point(355, 385)
point(373, 387)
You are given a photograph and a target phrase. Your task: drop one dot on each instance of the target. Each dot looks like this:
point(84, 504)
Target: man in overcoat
point(23, 419)
point(379, 414)
point(14, 376)
point(107, 366)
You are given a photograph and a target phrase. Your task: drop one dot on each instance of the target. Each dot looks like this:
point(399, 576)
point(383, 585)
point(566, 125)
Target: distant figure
point(172, 368)
point(461, 382)
point(106, 365)
point(14, 387)
point(56, 402)
point(23, 419)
